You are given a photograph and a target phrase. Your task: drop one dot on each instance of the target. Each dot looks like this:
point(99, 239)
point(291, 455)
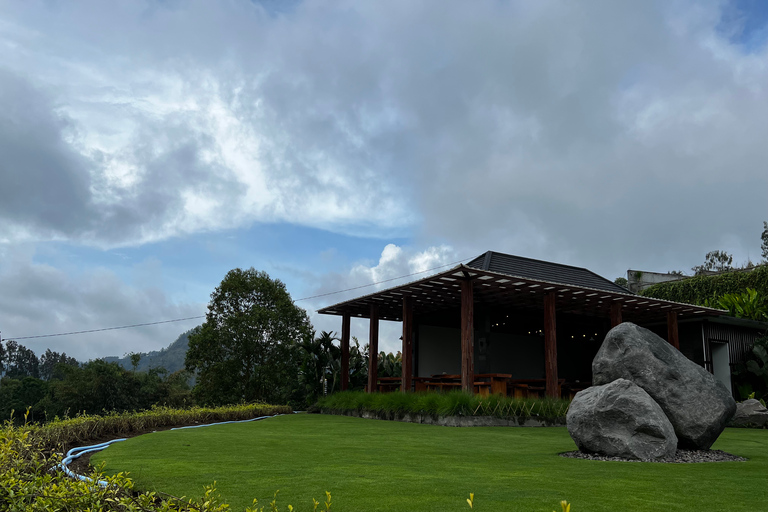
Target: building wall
point(439, 351)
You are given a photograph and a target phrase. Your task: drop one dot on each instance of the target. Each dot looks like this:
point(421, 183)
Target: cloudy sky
point(148, 147)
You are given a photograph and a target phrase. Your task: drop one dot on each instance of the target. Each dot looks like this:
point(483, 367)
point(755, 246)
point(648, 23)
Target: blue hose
point(77, 452)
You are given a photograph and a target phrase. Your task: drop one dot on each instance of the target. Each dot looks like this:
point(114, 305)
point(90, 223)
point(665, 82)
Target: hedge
point(698, 289)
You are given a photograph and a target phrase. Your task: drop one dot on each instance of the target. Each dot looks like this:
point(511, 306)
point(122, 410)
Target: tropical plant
point(321, 365)
point(748, 304)
point(751, 376)
point(390, 365)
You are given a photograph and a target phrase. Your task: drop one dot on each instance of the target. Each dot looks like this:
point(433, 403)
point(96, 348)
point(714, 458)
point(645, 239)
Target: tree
point(321, 366)
point(764, 245)
point(247, 348)
point(715, 261)
point(48, 362)
point(135, 358)
point(20, 361)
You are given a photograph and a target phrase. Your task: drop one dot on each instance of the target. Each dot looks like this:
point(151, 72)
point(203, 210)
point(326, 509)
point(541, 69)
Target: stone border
point(449, 421)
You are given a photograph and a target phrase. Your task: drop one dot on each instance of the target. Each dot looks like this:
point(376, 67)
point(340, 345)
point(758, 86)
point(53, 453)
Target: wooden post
point(407, 344)
point(467, 336)
point(550, 346)
point(672, 333)
point(345, 352)
point(615, 314)
point(373, 349)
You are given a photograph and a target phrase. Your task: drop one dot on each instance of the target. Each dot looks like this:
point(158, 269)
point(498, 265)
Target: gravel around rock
point(680, 457)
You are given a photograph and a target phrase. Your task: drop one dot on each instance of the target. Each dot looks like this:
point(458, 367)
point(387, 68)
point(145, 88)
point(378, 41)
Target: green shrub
point(699, 289)
point(61, 434)
point(455, 403)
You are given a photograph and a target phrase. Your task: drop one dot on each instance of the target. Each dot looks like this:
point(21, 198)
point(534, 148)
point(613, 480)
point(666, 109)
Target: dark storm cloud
point(45, 184)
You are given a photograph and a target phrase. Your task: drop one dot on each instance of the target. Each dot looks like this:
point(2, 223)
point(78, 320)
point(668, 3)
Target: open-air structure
point(530, 321)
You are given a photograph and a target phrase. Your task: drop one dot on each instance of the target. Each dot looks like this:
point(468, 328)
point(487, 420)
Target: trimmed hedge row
point(64, 434)
point(31, 480)
point(698, 289)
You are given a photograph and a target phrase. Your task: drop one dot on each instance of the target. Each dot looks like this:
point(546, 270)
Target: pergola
point(463, 286)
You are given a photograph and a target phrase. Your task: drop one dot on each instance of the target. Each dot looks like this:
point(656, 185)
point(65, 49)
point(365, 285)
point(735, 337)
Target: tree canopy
point(247, 349)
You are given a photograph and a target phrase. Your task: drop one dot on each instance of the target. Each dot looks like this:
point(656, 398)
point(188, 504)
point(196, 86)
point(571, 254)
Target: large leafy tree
point(247, 349)
point(764, 242)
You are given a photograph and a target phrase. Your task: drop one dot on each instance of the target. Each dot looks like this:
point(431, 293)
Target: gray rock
point(750, 413)
point(620, 420)
point(697, 405)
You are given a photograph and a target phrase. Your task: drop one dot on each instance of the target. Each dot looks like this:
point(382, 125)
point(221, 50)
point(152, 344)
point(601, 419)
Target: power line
point(380, 282)
point(103, 329)
point(203, 316)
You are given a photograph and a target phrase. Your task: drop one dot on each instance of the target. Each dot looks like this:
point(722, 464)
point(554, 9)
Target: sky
point(148, 147)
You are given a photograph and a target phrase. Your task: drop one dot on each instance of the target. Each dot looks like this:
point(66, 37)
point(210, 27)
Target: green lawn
point(371, 465)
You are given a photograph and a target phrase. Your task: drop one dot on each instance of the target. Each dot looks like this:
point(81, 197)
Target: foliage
point(31, 478)
point(714, 261)
point(748, 304)
point(621, 281)
point(20, 361)
point(390, 365)
point(50, 361)
point(699, 289)
point(751, 376)
point(455, 403)
point(358, 365)
point(94, 388)
point(321, 366)
point(764, 242)
point(246, 349)
point(62, 434)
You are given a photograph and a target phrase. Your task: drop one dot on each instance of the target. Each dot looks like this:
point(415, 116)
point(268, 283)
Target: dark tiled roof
point(543, 270)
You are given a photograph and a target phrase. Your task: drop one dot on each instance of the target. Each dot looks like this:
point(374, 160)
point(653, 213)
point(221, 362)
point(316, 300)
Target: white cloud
point(603, 134)
point(405, 263)
point(39, 299)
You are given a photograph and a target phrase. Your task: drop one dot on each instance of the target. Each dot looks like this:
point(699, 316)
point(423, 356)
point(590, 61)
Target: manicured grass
point(373, 465)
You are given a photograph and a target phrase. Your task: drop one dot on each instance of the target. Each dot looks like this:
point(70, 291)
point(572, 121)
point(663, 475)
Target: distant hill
point(171, 357)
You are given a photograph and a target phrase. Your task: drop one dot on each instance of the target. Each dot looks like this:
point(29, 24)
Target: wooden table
point(498, 381)
point(388, 384)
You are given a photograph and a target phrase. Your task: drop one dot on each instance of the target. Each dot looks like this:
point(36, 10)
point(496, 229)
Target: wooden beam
point(345, 352)
point(407, 344)
point(467, 336)
point(615, 314)
point(550, 346)
point(672, 333)
point(373, 349)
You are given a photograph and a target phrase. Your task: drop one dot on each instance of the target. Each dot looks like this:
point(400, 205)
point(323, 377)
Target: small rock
point(750, 413)
point(620, 420)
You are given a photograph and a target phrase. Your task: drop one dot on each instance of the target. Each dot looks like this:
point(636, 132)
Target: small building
point(533, 322)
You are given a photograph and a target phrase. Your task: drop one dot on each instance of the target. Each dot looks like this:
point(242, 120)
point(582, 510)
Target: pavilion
point(508, 314)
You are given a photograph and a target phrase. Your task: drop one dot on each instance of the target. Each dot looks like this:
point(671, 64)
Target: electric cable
point(203, 316)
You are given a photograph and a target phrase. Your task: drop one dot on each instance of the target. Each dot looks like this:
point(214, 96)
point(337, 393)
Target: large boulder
point(750, 413)
point(697, 405)
point(620, 420)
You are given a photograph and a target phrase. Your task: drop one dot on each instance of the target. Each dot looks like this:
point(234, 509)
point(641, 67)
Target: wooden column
point(467, 336)
point(615, 314)
point(550, 346)
point(407, 344)
point(672, 334)
point(373, 349)
point(345, 352)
